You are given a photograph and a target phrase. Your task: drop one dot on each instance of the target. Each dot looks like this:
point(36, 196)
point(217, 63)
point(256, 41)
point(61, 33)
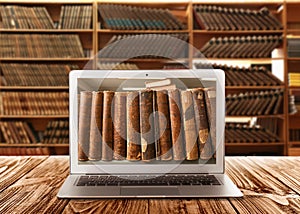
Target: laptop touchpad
point(154, 191)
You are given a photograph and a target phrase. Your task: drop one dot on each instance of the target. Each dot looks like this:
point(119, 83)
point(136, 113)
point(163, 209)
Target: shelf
point(244, 60)
point(140, 31)
point(294, 143)
point(233, 32)
point(34, 116)
point(293, 31)
point(255, 87)
point(34, 87)
point(32, 145)
point(46, 59)
point(257, 116)
point(293, 58)
point(256, 144)
point(141, 60)
point(46, 31)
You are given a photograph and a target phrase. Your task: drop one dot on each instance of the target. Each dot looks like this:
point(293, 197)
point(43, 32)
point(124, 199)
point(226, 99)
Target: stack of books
point(57, 132)
point(244, 76)
point(241, 133)
point(212, 17)
point(34, 103)
point(22, 74)
point(294, 79)
point(40, 46)
point(126, 17)
point(255, 103)
point(293, 47)
point(241, 47)
point(172, 46)
point(127, 125)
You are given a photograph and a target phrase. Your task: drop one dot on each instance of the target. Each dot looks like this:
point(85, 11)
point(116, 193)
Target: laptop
point(134, 159)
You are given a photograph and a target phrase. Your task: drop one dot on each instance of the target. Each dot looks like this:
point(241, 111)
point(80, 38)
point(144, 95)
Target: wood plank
point(261, 188)
point(36, 192)
point(13, 168)
point(190, 206)
point(107, 206)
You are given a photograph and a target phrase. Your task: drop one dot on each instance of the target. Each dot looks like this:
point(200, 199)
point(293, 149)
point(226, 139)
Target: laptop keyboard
point(168, 180)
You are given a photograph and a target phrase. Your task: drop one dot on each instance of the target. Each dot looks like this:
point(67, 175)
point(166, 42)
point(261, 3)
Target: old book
point(133, 127)
point(96, 126)
point(84, 125)
point(189, 124)
point(200, 118)
point(176, 125)
point(107, 126)
point(210, 101)
point(164, 125)
point(147, 125)
point(120, 129)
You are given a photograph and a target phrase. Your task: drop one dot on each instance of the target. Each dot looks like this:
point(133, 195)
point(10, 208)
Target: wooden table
point(269, 184)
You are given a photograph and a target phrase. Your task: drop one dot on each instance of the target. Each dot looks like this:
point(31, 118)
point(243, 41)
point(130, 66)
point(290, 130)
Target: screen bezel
point(133, 168)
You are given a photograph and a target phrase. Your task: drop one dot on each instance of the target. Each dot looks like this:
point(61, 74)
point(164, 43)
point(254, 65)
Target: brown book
point(201, 118)
point(147, 125)
point(120, 130)
point(107, 127)
point(164, 124)
point(84, 125)
point(210, 101)
point(189, 123)
point(96, 126)
point(133, 127)
point(176, 125)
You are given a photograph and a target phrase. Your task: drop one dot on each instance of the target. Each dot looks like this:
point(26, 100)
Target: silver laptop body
point(122, 80)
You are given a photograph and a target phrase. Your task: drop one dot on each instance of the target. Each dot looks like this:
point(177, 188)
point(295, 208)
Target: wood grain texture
point(269, 184)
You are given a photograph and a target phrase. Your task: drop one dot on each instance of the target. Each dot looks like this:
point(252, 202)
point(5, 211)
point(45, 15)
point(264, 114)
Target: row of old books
point(147, 125)
point(117, 66)
point(244, 76)
point(241, 46)
point(213, 17)
point(255, 103)
point(293, 47)
point(22, 74)
point(40, 46)
point(38, 17)
point(294, 79)
point(21, 151)
point(241, 133)
point(127, 17)
point(294, 135)
point(269, 123)
point(21, 132)
point(146, 46)
point(34, 103)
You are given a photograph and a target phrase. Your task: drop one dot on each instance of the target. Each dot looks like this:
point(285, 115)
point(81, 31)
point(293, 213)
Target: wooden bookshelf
point(96, 37)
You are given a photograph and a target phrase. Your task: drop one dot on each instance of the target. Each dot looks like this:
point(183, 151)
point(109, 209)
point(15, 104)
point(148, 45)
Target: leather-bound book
point(107, 128)
point(189, 124)
point(200, 118)
point(210, 101)
point(120, 130)
point(84, 125)
point(133, 127)
point(147, 125)
point(278, 105)
point(164, 125)
point(95, 151)
point(176, 125)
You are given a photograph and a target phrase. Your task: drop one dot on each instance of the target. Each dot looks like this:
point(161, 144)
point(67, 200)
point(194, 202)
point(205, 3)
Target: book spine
point(176, 125)
point(147, 125)
point(120, 128)
point(165, 143)
point(133, 127)
point(84, 125)
point(107, 127)
point(96, 126)
point(190, 132)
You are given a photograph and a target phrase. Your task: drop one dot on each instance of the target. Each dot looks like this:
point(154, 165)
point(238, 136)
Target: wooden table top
point(269, 184)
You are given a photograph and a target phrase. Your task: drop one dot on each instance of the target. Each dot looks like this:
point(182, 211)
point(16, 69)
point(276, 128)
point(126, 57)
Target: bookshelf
point(95, 37)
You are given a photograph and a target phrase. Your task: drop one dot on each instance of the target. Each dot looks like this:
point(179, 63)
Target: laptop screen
point(146, 120)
